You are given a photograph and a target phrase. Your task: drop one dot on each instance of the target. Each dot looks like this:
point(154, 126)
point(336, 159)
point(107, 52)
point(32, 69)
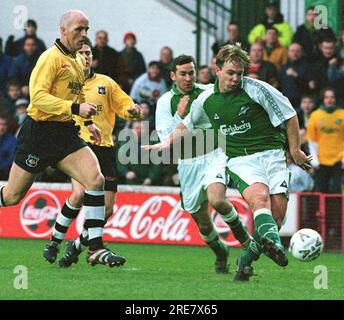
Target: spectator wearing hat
point(20, 114)
point(14, 48)
point(7, 147)
point(133, 58)
point(110, 62)
point(150, 86)
point(5, 67)
point(273, 18)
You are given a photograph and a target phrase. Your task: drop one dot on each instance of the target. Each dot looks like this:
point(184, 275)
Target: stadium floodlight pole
point(198, 31)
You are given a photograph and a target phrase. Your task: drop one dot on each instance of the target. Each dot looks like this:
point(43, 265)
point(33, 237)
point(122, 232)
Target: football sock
point(265, 226)
point(214, 243)
point(252, 252)
point(82, 242)
point(238, 229)
point(94, 209)
point(63, 221)
point(2, 204)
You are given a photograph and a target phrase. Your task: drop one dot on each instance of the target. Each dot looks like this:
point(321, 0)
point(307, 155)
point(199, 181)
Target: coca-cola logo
point(158, 217)
point(222, 228)
point(38, 213)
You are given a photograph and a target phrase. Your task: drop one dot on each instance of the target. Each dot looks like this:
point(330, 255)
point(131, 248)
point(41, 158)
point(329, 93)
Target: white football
point(306, 245)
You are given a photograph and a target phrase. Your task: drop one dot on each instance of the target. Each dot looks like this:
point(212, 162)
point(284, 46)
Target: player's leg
point(279, 204)
point(211, 238)
point(87, 172)
point(69, 212)
point(19, 182)
point(266, 230)
point(217, 198)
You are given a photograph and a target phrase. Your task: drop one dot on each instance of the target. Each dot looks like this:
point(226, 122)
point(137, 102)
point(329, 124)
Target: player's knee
point(76, 199)
point(261, 200)
point(97, 182)
point(218, 204)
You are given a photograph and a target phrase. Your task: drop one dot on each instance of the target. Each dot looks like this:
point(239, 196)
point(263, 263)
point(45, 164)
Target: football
point(306, 245)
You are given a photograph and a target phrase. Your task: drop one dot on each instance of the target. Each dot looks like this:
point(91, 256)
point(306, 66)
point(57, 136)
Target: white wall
point(154, 23)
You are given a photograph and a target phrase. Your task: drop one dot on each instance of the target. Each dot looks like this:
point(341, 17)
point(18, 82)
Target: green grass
point(161, 272)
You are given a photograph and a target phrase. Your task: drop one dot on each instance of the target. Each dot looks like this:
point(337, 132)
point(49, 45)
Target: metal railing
point(211, 20)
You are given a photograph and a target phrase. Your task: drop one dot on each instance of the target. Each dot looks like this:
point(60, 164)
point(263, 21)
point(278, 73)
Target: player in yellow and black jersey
point(49, 135)
point(111, 102)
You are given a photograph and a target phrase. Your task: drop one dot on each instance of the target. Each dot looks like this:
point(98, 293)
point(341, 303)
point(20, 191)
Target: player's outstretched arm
point(175, 136)
point(293, 133)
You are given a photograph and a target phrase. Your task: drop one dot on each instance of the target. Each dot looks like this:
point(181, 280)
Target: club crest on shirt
point(101, 90)
point(32, 161)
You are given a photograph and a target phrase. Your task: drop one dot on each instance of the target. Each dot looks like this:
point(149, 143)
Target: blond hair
point(232, 53)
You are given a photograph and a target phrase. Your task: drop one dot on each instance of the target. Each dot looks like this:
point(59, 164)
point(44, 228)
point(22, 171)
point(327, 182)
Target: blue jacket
point(22, 67)
point(5, 67)
point(7, 146)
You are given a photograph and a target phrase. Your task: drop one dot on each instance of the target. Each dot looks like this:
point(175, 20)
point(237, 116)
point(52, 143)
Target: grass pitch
point(162, 272)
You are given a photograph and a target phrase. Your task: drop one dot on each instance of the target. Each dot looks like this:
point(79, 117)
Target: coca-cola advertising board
point(137, 218)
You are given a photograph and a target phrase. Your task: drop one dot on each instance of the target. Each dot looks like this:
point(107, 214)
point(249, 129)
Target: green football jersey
point(247, 120)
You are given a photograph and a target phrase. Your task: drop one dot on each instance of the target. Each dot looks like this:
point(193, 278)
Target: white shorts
point(196, 174)
point(267, 167)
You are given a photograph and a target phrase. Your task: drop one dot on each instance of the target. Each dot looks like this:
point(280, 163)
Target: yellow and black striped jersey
point(56, 83)
point(111, 101)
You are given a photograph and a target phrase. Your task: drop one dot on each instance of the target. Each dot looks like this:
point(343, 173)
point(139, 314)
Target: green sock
point(265, 226)
point(252, 252)
point(238, 229)
point(214, 243)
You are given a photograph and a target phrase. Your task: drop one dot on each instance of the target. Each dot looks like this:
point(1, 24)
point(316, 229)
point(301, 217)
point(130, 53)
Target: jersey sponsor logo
point(75, 87)
point(243, 111)
point(216, 117)
point(236, 129)
point(219, 176)
point(101, 90)
point(32, 161)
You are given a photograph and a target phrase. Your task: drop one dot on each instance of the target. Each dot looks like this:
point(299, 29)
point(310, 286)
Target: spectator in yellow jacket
point(325, 135)
point(273, 18)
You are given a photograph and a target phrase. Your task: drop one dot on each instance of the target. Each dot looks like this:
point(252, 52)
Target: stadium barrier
point(154, 215)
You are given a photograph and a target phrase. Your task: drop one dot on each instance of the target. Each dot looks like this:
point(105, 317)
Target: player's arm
point(165, 122)
point(123, 105)
point(195, 119)
point(41, 81)
point(294, 140)
point(280, 111)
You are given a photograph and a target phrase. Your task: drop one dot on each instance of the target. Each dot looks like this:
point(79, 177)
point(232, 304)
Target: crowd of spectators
point(306, 66)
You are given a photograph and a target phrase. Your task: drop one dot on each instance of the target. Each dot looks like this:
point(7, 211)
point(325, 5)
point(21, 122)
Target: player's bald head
point(71, 15)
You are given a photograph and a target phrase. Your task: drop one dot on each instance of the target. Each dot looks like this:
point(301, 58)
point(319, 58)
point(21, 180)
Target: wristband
point(75, 108)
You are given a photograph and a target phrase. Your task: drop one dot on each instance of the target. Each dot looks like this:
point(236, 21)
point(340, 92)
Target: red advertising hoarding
point(137, 218)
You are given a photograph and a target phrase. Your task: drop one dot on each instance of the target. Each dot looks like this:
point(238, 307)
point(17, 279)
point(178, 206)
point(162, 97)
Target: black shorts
point(45, 143)
point(108, 166)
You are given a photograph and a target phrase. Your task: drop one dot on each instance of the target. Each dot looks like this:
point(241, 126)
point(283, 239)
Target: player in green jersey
point(248, 115)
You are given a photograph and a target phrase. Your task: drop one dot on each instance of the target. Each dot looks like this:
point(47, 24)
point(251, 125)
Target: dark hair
point(28, 38)
point(322, 92)
point(272, 28)
point(328, 39)
point(154, 63)
point(13, 83)
point(310, 8)
point(88, 42)
point(203, 67)
point(235, 23)
point(31, 23)
point(307, 96)
point(181, 60)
